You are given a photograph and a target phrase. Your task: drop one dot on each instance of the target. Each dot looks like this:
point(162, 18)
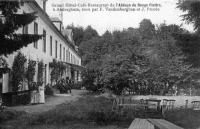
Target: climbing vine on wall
point(40, 72)
point(30, 73)
point(3, 65)
point(58, 69)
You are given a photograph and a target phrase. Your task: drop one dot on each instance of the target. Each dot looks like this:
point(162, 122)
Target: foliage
point(145, 60)
point(147, 29)
point(21, 99)
point(78, 33)
point(40, 72)
point(34, 86)
point(64, 85)
point(10, 22)
point(77, 86)
point(48, 90)
point(91, 80)
point(192, 15)
point(3, 65)
point(30, 73)
point(18, 70)
point(58, 69)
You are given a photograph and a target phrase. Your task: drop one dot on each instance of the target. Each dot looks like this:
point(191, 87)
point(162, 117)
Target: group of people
point(65, 85)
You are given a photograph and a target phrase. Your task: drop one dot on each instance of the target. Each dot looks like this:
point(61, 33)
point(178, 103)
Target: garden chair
point(171, 103)
point(164, 106)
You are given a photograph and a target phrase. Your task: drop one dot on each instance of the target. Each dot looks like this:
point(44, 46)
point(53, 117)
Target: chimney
point(44, 5)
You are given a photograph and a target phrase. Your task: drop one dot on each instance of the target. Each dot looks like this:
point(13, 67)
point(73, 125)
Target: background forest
point(151, 59)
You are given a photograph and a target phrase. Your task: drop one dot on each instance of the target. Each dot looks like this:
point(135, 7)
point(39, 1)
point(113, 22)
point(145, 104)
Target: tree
point(189, 42)
point(192, 9)
point(89, 33)
point(19, 70)
point(10, 22)
point(78, 33)
point(147, 29)
point(123, 63)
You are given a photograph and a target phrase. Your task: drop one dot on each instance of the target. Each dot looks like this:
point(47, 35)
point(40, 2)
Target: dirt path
point(50, 103)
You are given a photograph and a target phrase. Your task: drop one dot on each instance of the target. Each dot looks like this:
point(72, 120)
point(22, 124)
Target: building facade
point(54, 45)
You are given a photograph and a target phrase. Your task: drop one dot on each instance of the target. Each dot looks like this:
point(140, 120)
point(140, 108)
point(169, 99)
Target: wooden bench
point(163, 124)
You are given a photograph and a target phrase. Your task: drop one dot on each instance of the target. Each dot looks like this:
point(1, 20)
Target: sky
point(116, 20)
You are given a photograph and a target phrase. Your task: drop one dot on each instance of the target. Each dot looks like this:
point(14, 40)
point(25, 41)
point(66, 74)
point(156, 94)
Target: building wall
point(38, 54)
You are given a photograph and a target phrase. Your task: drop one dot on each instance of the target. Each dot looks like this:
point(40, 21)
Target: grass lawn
point(89, 112)
point(188, 119)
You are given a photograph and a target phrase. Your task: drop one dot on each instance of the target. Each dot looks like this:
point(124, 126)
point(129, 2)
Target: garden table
point(150, 101)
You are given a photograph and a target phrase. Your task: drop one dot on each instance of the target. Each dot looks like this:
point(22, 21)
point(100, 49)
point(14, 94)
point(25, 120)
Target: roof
point(35, 5)
point(55, 19)
point(69, 34)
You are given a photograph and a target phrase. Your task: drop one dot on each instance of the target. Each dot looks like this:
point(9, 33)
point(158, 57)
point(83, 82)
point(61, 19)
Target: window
point(56, 50)
point(35, 32)
point(51, 45)
point(60, 51)
point(25, 28)
point(63, 54)
point(66, 56)
point(44, 41)
point(70, 58)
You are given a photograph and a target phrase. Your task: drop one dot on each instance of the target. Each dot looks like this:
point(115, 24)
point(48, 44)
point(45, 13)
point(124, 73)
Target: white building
point(53, 46)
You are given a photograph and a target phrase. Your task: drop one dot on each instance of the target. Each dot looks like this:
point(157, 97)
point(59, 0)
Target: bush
point(21, 99)
point(48, 90)
point(77, 86)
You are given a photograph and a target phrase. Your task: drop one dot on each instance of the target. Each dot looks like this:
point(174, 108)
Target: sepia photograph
point(99, 64)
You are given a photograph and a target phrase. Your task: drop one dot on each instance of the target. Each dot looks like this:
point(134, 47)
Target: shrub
point(48, 90)
point(77, 86)
point(21, 99)
point(18, 70)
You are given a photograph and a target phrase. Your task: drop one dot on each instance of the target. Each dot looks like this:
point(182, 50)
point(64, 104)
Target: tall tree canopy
point(192, 9)
point(10, 22)
point(146, 60)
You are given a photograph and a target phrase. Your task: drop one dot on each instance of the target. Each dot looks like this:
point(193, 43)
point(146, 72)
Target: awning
point(75, 67)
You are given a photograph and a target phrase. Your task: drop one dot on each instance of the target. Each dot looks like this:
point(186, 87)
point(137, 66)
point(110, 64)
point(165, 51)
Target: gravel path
point(50, 103)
